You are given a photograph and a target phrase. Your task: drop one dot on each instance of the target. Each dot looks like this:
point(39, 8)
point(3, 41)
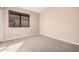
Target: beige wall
point(1, 25)
point(60, 23)
point(13, 33)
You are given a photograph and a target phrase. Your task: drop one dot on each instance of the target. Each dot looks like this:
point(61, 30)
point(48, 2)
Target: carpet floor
point(37, 43)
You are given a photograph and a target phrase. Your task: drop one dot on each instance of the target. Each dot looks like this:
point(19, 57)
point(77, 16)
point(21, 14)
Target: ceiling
point(35, 9)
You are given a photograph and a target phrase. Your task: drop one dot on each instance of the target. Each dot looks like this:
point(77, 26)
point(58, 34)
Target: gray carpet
point(38, 43)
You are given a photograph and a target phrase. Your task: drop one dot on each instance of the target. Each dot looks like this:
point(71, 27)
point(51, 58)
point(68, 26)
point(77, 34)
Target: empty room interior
point(39, 29)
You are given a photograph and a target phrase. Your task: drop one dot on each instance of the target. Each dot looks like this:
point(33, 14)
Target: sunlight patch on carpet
point(13, 48)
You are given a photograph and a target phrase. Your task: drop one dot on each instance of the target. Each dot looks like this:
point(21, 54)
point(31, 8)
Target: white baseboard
point(39, 34)
point(60, 39)
point(18, 37)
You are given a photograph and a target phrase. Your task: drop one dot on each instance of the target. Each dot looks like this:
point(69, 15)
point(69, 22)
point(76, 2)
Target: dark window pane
point(14, 20)
point(24, 21)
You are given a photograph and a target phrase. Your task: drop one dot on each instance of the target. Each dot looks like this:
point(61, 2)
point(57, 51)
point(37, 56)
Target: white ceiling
point(35, 9)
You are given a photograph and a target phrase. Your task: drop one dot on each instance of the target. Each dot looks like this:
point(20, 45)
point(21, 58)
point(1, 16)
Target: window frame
point(20, 19)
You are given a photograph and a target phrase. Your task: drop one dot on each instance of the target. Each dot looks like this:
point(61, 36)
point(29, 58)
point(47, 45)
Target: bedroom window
point(17, 19)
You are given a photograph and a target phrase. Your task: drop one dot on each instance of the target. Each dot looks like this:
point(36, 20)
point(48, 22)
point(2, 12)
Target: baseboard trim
point(19, 37)
point(40, 34)
point(60, 39)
